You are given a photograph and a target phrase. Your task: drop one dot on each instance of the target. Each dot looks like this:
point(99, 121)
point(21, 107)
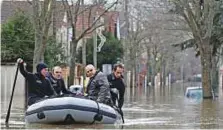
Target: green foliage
point(17, 38)
point(54, 54)
point(109, 54)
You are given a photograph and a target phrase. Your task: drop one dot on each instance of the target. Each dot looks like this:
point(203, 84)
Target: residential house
point(62, 25)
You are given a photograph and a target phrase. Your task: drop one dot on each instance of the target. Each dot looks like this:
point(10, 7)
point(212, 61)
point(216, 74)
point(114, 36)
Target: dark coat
point(58, 85)
point(98, 88)
point(38, 86)
point(119, 84)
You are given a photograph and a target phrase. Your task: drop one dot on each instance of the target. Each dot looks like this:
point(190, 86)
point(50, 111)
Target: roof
point(10, 7)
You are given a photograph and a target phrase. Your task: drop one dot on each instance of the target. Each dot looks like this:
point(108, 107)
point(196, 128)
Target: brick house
point(63, 31)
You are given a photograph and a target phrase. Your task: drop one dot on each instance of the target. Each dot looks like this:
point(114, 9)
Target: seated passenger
point(98, 87)
point(57, 81)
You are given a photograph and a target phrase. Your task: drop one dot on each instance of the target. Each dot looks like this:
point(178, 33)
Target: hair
point(55, 67)
point(119, 65)
point(90, 66)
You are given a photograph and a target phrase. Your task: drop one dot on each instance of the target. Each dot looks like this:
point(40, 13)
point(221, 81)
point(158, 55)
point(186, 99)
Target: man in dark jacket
point(57, 81)
point(98, 86)
point(38, 86)
point(117, 84)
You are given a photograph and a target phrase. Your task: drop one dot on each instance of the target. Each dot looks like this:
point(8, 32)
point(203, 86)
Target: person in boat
point(38, 85)
point(117, 85)
point(98, 86)
point(57, 81)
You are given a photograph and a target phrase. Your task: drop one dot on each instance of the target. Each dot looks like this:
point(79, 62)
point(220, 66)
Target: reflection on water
point(144, 108)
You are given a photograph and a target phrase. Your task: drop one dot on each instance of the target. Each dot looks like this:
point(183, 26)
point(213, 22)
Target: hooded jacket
point(38, 86)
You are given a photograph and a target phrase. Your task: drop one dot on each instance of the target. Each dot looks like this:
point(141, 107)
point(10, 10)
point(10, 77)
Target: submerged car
point(194, 92)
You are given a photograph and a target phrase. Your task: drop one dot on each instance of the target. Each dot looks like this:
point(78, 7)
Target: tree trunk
point(73, 47)
point(42, 15)
point(153, 73)
point(40, 46)
point(148, 65)
point(83, 49)
point(206, 71)
point(125, 58)
point(164, 73)
point(126, 42)
point(161, 73)
point(136, 76)
point(37, 57)
point(215, 75)
point(131, 64)
point(54, 20)
point(132, 77)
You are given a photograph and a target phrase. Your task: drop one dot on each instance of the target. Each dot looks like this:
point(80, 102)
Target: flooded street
point(143, 108)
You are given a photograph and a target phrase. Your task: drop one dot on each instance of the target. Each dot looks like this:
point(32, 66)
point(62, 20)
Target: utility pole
point(182, 72)
point(95, 43)
point(125, 40)
point(95, 49)
point(83, 47)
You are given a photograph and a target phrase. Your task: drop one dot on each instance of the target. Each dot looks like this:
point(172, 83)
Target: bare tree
point(94, 13)
point(42, 14)
point(145, 33)
point(149, 31)
point(199, 16)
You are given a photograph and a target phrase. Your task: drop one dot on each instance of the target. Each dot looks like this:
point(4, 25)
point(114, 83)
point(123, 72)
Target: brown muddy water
point(144, 108)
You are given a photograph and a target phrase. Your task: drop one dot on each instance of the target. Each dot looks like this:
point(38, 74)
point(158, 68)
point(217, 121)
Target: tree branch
point(89, 16)
point(29, 2)
point(69, 12)
point(77, 8)
point(209, 20)
point(94, 23)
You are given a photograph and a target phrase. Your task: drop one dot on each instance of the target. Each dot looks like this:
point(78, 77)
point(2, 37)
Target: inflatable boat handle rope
point(98, 116)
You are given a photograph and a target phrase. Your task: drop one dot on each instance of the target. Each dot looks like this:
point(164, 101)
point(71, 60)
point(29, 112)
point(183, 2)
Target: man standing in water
point(117, 85)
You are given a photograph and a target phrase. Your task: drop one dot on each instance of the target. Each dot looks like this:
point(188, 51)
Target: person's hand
point(24, 64)
point(115, 91)
point(19, 60)
point(99, 100)
point(85, 94)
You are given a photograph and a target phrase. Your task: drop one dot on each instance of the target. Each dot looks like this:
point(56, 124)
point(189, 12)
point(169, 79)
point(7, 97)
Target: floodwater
point(144, 108)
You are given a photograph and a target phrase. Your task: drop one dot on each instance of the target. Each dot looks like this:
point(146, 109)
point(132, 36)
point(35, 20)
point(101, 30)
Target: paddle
point(120, 110)
point(10, 103)
point(121, 113)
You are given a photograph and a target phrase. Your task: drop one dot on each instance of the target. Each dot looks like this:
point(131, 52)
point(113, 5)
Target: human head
point(118, 70)
point(57, 72)
point(42, 69)
point(90, 70)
